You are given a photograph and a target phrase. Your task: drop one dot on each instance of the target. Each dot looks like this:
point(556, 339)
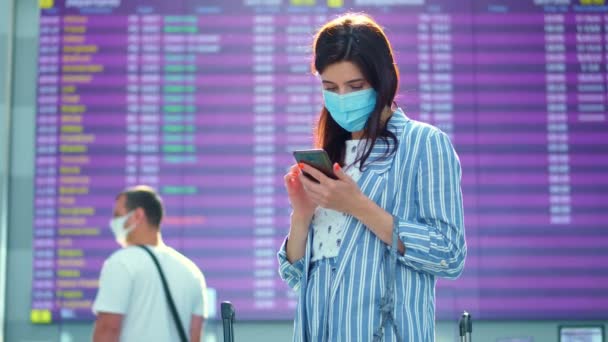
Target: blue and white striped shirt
point(419, 185)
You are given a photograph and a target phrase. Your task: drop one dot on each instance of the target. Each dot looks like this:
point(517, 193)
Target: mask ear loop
point(127, 217)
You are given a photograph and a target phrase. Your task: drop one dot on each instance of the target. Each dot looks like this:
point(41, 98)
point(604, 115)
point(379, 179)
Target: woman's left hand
point(341, 195)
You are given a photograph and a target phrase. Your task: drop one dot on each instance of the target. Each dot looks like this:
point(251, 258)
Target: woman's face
point(343, 77)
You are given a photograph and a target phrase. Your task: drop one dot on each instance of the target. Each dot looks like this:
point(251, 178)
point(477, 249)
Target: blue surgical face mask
point(351, 110)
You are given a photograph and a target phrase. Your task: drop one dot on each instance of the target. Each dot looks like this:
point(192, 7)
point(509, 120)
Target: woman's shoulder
point(418, 127)
point(417, 137)
point(419, 131)
point(406, 126)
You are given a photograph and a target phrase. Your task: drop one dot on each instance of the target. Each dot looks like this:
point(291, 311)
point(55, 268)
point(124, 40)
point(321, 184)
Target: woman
point(364, 251)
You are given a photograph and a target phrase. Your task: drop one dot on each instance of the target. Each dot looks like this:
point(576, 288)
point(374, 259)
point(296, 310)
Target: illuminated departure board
point(205, 101)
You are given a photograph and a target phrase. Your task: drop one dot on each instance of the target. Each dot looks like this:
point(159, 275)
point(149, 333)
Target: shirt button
point(443, 263)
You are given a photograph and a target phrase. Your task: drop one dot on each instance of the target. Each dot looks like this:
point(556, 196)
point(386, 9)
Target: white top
point(130, 285)
point(328, 225)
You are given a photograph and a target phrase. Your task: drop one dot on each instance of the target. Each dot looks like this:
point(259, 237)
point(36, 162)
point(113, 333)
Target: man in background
point(131, 304)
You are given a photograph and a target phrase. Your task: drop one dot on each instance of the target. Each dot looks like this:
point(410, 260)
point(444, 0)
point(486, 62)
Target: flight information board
point(205, 100)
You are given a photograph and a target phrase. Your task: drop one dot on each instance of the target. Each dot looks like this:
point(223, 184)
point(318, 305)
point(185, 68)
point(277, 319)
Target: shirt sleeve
point(115, 283)
point(290, 273)
point(200, 305)
point(435, 243)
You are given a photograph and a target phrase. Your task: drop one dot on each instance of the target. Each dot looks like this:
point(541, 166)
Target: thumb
point(339, 172)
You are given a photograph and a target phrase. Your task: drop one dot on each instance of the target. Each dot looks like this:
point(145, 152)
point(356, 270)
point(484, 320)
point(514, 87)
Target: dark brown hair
point(144, 197)
point(358, 39)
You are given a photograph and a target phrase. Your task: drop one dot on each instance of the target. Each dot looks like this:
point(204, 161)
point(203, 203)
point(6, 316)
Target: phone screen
point(316, 158)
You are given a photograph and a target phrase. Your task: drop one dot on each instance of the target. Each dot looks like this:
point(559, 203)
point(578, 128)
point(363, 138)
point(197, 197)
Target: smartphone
point(316, 158)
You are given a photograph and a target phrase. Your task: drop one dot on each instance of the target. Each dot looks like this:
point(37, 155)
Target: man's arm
point(196, 328)
point(107, 327)
point(112, 300)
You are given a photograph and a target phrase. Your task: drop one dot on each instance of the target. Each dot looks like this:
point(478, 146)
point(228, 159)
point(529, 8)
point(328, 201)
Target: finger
point(309, 185)
point(291, 180)
point(306, 183)
point(294, 167)
point(339, 172)
point(318, 175)
point(289, 183)
point(318, 200)
point(292, 171)
point(317, 196)
point(311, 193)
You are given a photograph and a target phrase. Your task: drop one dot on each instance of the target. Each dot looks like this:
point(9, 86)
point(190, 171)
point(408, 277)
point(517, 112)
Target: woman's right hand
point(303, 207)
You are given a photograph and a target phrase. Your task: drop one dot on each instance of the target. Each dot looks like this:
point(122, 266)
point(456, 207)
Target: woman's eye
point(333, 90)
point(356, 87)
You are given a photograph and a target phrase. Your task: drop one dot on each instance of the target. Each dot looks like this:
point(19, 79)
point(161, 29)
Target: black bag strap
point(172, 308)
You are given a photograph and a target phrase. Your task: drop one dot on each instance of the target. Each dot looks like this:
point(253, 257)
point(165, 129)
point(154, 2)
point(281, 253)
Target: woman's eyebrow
point(355, 80)
point(347, 82)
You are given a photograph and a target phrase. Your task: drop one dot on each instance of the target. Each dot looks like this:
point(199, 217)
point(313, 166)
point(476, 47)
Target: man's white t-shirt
point(130, 285)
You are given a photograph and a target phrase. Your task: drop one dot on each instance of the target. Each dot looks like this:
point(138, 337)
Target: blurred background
point(206, 100)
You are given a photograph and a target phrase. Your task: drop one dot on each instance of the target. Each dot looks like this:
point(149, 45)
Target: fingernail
point(337, 167)
point(301, 165)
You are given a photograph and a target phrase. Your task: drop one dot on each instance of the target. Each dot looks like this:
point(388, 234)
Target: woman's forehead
point(341, 72)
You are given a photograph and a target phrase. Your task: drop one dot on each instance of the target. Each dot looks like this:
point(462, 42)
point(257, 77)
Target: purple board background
point(206, 103)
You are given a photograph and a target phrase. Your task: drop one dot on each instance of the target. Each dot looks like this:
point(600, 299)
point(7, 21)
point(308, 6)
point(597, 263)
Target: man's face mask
point(351, 110)
point(117, 225)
